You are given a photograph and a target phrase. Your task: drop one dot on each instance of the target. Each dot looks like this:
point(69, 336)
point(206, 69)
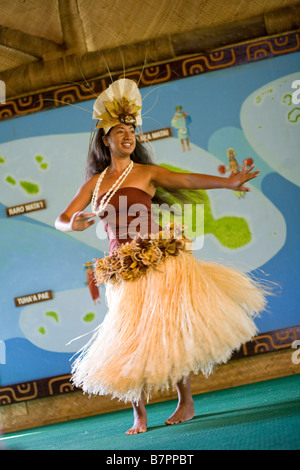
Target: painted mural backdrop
point(218, 120)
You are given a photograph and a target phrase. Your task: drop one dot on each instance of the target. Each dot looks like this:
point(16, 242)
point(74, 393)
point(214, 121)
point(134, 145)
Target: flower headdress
point(120, 103)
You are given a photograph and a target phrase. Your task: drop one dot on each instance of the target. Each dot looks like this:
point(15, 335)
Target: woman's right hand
point(80, 220)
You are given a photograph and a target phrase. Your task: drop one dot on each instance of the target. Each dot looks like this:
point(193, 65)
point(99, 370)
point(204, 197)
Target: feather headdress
point(120, 103)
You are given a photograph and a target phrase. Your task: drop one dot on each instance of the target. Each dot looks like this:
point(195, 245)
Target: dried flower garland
point(132, 260)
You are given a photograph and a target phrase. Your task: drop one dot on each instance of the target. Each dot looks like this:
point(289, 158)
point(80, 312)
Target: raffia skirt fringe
point(186, 316)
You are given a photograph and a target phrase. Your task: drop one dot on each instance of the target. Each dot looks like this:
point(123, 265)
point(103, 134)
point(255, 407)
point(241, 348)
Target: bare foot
point(139, 425)
point(183, 412)
point(140, 418)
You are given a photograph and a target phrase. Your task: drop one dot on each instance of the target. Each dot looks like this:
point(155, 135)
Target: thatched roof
point(44, 43)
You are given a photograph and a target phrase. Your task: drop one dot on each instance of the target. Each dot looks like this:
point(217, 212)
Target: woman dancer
point(168, 314)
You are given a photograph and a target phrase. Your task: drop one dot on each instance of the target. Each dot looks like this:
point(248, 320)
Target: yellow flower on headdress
point(117, 111)
point(121, 102)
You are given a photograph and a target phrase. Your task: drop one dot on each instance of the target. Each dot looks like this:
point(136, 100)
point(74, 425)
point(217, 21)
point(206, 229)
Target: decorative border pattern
point(269, 342)
point(173, 70)
point(266, 342)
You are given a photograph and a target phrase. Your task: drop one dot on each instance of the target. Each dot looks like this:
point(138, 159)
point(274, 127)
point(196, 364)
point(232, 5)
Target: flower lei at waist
point(133, 260)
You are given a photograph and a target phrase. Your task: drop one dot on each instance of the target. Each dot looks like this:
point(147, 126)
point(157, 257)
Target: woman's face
point(121, 140)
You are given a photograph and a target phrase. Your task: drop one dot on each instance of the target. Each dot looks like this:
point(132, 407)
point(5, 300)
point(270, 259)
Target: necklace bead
point(110, 193)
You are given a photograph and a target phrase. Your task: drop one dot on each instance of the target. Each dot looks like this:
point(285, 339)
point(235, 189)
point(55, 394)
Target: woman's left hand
point(237, 181)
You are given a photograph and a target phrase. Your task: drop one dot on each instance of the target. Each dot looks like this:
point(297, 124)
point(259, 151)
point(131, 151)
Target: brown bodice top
point(127, 215)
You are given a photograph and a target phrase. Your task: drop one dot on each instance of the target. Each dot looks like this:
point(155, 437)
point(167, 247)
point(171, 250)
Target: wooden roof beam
point(37, 47)
point(206, 39)
point(72, 27)
point(67, 65)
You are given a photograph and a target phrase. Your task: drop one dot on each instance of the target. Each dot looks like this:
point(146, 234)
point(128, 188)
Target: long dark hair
point(99, 155)
point(99, 158)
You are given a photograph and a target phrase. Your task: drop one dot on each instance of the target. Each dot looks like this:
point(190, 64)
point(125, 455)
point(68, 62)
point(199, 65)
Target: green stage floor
point(261, 416)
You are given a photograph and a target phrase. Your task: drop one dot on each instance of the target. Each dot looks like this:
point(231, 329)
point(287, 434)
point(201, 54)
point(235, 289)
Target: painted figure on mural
point(181, 123)
point(92, 283)
point(234, 168)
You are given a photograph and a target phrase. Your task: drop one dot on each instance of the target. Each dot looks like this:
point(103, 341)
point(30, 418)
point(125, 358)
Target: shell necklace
point(107, 197)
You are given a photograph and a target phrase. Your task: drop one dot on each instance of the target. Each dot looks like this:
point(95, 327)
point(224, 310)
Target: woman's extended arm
point(170, 179)
point(74, 217)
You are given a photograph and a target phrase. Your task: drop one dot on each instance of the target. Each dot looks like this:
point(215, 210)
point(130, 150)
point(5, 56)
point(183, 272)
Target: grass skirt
point(183, 316)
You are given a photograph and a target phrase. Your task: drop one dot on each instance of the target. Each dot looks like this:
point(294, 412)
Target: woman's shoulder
point(145, 166)
point(91, 182)
point(94, 177)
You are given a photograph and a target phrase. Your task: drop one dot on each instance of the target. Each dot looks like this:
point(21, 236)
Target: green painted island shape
point(231, 231)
